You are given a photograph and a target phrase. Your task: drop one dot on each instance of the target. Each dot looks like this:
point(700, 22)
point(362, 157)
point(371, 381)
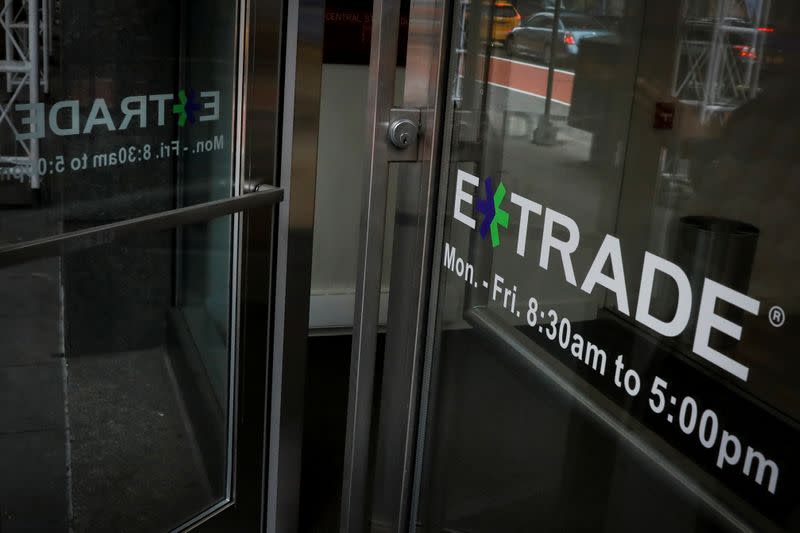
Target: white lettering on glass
point(708, 319)
point(526, 206)
point(674, 326)
point(610, 249)
point(610, 253)
point(566, 248)
point(463, 198)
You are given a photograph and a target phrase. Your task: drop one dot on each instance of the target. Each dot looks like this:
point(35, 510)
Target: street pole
point(551, 67)
point(545, 133)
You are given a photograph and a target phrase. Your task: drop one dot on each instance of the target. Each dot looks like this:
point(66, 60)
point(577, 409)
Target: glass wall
point(116, 355)
point(208, 60)
point(614, 344)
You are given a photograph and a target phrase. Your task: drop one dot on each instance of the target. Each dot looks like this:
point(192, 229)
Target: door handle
point(86, 238)
point(259, 186)
point(379, 151)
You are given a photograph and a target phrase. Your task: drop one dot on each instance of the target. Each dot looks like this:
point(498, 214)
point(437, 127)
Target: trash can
point(720, 249)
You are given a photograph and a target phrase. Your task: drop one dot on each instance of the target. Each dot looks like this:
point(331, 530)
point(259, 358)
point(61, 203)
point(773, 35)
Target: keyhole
point(401, 133)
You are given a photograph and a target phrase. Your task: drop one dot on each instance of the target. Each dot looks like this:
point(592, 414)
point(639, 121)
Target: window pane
point(617, 308)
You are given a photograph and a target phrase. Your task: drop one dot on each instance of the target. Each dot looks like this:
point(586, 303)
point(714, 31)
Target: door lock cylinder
point(403, 133)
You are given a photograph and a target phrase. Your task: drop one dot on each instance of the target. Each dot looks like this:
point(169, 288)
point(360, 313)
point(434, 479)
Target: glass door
point(614, 291)
point(134, 332)
point(591, 299)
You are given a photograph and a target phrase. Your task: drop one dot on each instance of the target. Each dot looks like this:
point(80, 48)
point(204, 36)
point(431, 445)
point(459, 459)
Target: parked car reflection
point(506, 18)
point(535, 35)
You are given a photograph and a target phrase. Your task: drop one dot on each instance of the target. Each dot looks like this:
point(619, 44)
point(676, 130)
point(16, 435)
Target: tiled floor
point(34, 487)
point(34, 492)
point(134, 463)
point(88, 442)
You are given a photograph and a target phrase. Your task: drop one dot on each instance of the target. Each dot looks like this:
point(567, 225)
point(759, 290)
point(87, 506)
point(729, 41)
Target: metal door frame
point(382, 490)
point(379, 463)
point(300, 87)
point(383, 465)
point(257, 119)
point(252, 213)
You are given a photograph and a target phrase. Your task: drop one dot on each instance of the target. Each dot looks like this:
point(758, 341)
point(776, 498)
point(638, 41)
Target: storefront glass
point(615, 324)
point(116, 357)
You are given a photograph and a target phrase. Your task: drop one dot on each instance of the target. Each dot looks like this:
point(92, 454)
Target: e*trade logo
point(559, 236)
point(493, 215)
point(186, 108)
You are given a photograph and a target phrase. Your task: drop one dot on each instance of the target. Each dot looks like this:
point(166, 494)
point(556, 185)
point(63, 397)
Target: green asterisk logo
point(494, 215)
point(186, 109)
point(500, 216)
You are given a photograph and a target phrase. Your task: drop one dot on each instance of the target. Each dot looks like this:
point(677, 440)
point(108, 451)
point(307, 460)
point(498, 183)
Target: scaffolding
point(720, 53)
point(26, 31)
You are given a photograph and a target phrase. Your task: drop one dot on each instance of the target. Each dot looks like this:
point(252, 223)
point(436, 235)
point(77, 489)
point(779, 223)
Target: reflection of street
point(529, 77)
point(562, 175)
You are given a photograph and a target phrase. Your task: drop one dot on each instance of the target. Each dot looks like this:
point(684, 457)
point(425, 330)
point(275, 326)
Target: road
point(529, 77)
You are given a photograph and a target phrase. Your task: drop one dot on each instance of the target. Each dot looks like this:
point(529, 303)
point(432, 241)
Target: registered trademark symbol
point(776, 316)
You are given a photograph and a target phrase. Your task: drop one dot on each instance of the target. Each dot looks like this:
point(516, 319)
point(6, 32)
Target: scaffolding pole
point(719, 57)
point(26, 28)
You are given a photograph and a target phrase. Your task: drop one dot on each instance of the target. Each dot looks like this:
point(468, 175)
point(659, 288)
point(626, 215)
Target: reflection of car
point(534, 36)
point(736, 48)
point(700, 32)
point(506, 18)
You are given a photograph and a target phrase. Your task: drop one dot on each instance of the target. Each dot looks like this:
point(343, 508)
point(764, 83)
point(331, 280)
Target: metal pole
point(551, 67)
point(545, 133)
point(711, 87)
point(33, 82)
point(45, 27)
point(755, 80)
point(7, 11)
point(380, 96)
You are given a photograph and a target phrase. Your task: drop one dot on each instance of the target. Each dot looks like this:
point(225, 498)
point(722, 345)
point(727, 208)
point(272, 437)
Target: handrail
point(97, 235)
